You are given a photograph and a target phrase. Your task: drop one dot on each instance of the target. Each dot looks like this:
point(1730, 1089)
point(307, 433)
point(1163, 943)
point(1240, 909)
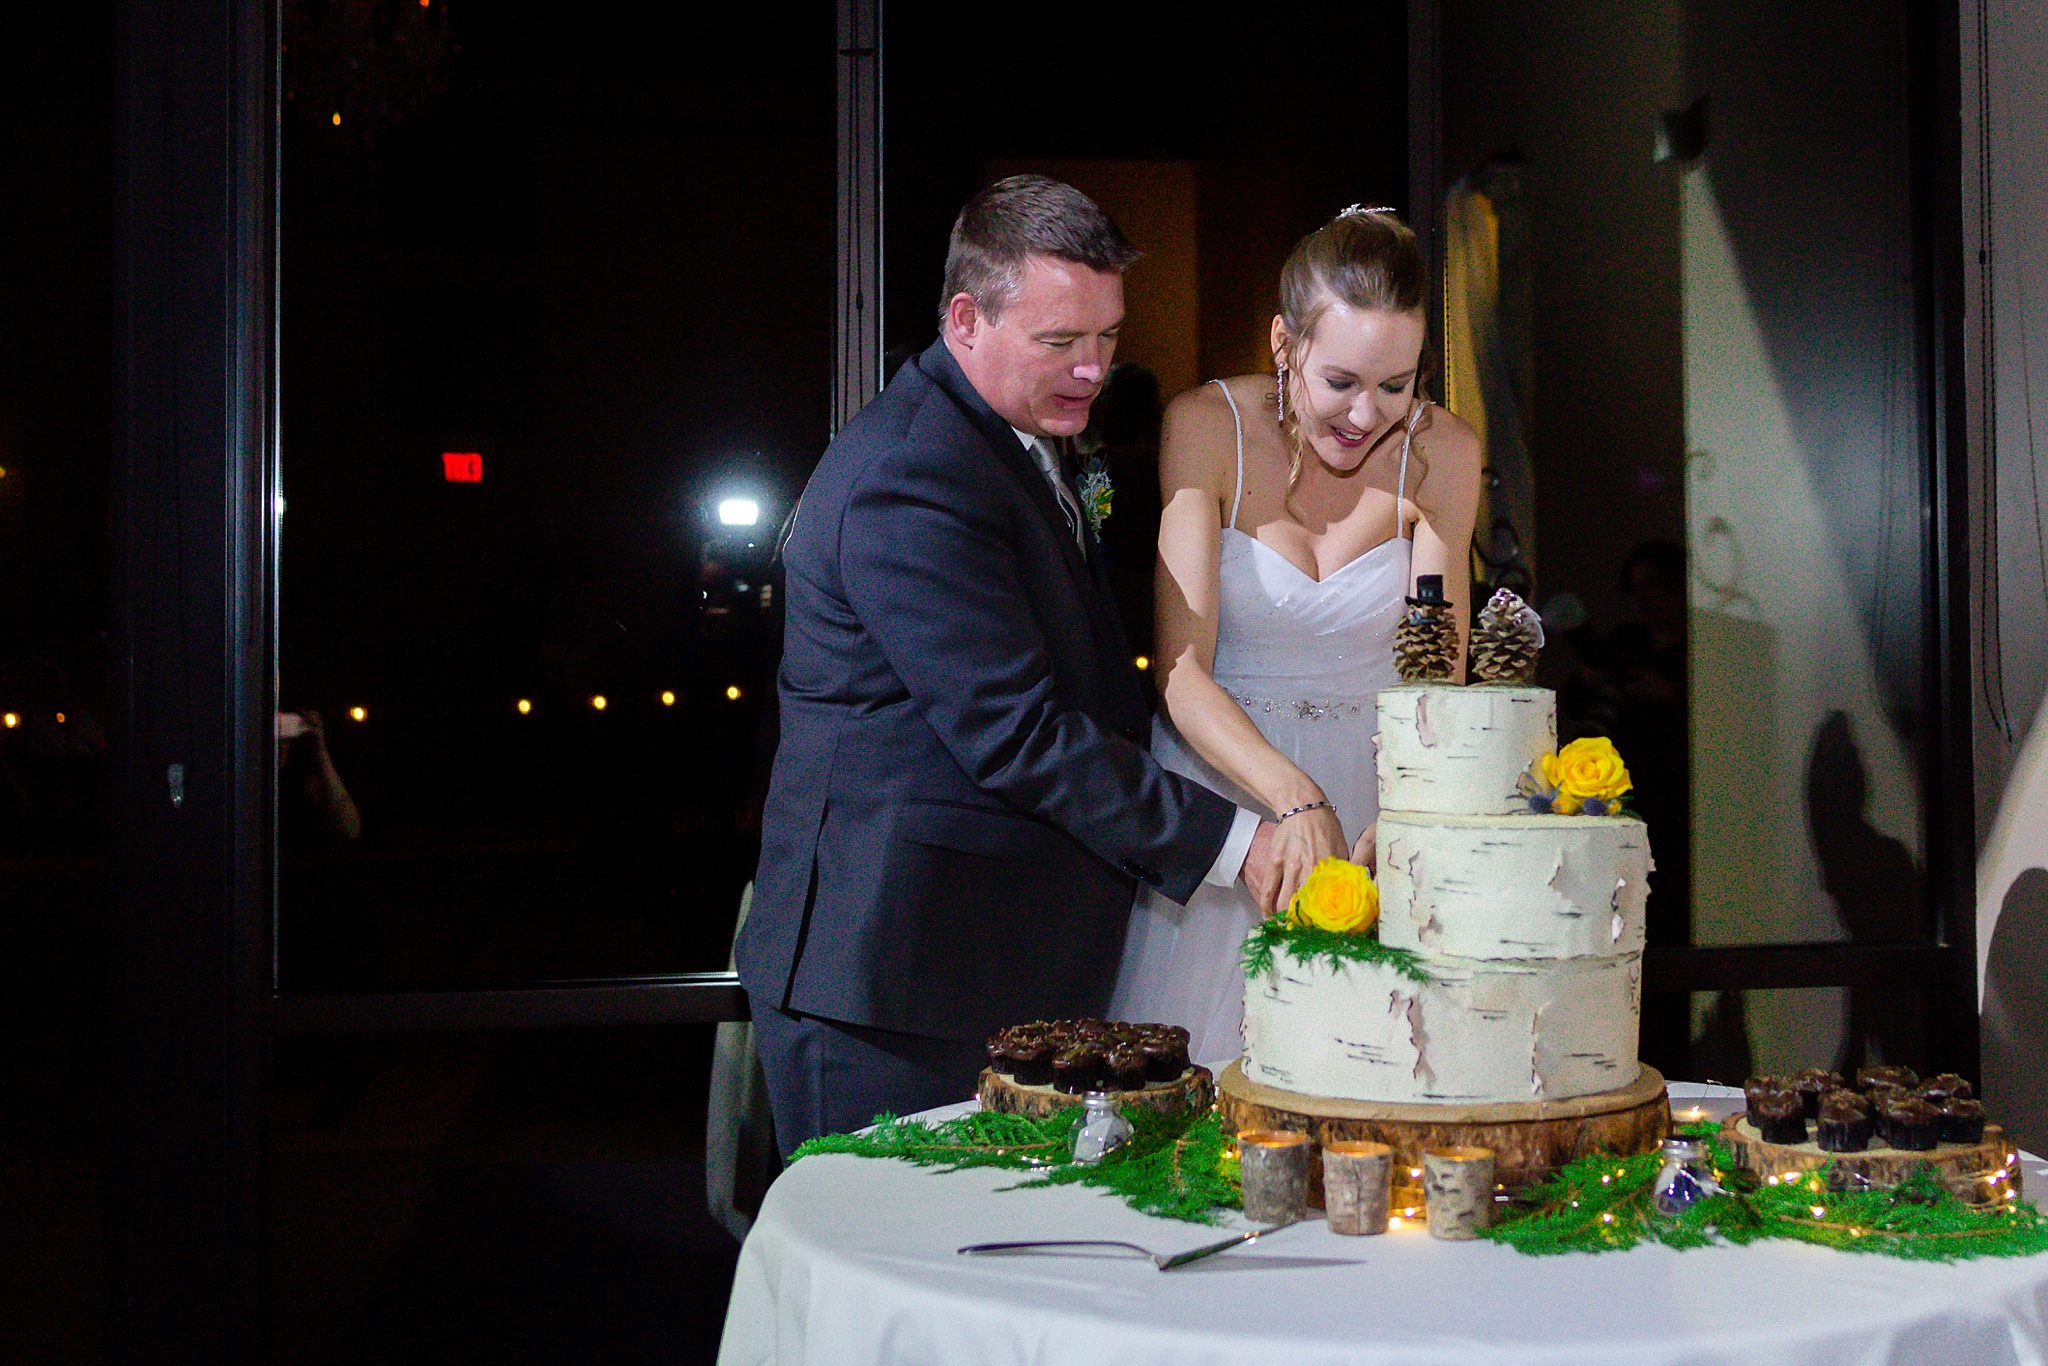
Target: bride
point(1298, 511)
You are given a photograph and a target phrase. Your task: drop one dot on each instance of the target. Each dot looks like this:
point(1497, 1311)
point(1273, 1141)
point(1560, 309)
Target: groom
point(962, 807)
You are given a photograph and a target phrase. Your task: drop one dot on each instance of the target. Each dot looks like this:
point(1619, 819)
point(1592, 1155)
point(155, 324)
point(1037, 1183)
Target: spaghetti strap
point(1238, 421)
point(1401, 488)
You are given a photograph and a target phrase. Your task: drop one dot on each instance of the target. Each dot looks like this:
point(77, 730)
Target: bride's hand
point(1365, 853)
point(1299, 844)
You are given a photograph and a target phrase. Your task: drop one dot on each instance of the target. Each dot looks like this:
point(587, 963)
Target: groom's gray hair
point(1015, 218)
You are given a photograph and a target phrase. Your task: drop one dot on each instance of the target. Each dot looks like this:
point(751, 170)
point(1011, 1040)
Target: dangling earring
point(1280, 392)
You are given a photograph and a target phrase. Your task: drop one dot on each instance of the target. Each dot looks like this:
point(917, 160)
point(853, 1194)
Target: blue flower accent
point(1540, 804)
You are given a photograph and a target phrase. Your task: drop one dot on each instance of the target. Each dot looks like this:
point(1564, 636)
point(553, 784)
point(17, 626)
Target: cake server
point(1165, 1261)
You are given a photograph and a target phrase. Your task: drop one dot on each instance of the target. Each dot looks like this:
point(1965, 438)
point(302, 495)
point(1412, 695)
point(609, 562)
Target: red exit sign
point(462, 467)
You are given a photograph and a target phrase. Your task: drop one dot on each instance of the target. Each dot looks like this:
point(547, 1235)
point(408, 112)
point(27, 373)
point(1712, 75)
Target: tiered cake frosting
point(1529, 925)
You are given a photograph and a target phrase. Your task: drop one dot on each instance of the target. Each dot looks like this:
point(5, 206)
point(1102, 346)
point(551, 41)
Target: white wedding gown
point(1305, 659)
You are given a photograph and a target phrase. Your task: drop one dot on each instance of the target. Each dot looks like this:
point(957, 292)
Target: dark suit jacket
point(961, 805)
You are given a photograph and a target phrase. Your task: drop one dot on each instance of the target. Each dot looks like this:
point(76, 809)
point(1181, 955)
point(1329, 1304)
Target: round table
point(853, 1261)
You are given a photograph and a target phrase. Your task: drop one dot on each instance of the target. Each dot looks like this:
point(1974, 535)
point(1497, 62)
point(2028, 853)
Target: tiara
point(1362, 210)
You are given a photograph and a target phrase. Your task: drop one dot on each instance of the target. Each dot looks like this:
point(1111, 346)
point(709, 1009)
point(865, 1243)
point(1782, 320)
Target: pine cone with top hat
point(1426, 641)
point(1507, 640)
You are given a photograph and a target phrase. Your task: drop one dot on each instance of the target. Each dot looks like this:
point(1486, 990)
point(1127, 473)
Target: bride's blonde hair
point(1368, 259)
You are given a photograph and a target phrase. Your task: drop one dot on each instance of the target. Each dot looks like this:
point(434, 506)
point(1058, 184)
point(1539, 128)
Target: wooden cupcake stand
point(1195, 1091)
point(1530, 1140)
point(1977, 1172)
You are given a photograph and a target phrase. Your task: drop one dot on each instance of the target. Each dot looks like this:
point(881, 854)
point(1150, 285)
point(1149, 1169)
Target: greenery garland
point(1181, 1167)
point(1603, 1204)
point(1176, 1166)
point(1306, 943)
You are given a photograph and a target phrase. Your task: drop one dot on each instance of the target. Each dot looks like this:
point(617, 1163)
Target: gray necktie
point(1048, 458)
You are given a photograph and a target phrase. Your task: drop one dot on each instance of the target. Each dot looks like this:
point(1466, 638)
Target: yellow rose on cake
point(1337, 895)
point(1589, 769)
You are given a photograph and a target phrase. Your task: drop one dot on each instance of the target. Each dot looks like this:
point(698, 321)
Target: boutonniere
point(1095, 491)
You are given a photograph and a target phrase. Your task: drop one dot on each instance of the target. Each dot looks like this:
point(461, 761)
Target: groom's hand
point(1365, 853)
point(1262, 870)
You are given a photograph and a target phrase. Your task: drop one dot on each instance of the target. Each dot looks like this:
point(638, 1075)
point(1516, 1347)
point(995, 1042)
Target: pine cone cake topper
point(1507, 640)
point(1426, 641)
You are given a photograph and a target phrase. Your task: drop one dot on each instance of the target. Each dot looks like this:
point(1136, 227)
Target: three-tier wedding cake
point(1528, 927)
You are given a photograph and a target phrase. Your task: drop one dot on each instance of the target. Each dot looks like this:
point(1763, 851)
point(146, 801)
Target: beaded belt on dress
point(1307, 711)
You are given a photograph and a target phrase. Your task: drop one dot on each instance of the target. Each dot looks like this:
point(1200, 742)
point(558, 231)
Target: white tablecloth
point(853, 1261)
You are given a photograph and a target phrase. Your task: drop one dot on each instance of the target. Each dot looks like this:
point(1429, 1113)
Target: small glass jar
point(1687, 1175)
point(1102, 1130)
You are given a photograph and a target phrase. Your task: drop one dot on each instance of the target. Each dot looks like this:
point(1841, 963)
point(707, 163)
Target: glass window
point(557, 342)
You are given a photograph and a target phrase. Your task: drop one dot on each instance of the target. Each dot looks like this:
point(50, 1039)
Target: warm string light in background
point(599, 702)
point(10, 720)
point(732, 693)
point(60, 718)
point(1143, 661)
point(668, 699)
point(358, 714)
point(525, 706)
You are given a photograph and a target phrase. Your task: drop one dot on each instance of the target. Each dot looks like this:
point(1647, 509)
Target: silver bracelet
point(1311, 806)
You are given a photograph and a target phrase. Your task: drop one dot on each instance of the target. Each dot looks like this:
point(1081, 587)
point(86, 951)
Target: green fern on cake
point(1306, 944)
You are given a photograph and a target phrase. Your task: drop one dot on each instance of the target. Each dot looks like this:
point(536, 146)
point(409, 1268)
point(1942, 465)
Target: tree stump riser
point(1529, 1141)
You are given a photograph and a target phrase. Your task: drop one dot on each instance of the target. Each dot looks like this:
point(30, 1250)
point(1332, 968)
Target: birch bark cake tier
point(1478, 1032)
point(1525, 886)
point(1461, 751)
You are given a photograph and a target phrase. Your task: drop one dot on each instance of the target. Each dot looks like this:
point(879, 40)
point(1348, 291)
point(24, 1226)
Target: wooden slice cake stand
point(1196, 1091)
point(1977, 1172)
point(1530, 1139)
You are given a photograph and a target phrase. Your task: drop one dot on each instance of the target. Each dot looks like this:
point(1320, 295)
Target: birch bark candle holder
point(1357, 1186)
point(1273, 1169)
point(1457, 1186)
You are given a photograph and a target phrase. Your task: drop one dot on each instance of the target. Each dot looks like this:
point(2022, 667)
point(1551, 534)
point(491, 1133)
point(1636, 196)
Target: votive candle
point(1457, 1187)
point(1273, 1169)
point(1357, 1185)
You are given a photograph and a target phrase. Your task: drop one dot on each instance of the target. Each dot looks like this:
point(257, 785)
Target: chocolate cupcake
point(1124, 1068)
point(1842, 1096)
point(1077, 1069)
point(1944, 1088)
point(1961, 1121)
point(1844, 1124)
point(1913, 1125)
point(1757, 1086)
point(1811, 1084)
point(1164, 1059)
point(1030, 1061)
point(1778, 1116)
point(1885, 1093)
point(1867, 1077)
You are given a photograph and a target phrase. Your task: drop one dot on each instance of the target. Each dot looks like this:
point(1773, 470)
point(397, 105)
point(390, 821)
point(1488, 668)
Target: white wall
point(2005, 199)
point(1803, 493)
point(2005, 216)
